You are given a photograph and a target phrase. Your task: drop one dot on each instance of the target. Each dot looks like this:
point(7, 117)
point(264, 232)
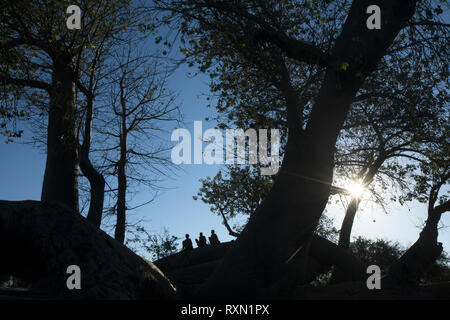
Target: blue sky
point(22, 169)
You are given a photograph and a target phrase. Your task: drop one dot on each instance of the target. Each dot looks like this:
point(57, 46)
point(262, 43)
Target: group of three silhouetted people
point(201, 241)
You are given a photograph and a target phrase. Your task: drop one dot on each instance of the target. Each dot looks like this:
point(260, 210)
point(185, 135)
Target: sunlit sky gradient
point(22, 169)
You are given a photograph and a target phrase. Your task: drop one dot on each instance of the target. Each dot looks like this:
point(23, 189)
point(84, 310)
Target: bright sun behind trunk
point(356, 189)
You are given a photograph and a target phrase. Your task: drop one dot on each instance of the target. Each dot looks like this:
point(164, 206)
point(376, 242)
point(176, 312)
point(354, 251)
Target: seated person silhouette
point(187, 243)
point(213, 240)
point(201, 242)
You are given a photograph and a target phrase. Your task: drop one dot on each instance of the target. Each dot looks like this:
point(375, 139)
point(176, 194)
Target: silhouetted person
point(187, 243)
point(201, 242)
point(213, 240)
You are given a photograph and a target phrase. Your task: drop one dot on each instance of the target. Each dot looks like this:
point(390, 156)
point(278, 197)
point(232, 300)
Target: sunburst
point(356, 189)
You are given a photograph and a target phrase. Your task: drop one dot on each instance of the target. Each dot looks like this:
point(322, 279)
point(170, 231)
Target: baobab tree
point(40, 56)
point(264, 36)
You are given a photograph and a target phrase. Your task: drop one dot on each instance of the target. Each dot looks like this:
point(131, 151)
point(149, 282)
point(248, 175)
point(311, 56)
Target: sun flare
point(356, 189)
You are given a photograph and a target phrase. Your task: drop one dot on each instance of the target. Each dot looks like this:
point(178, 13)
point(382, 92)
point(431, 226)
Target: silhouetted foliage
point(153, 245)
point(384, 253)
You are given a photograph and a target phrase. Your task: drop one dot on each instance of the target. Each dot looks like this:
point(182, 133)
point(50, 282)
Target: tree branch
point(231, 232)
point(9, 44)
point(442, 208)
point(26, 82)
point(293, 48)
point(296, 49)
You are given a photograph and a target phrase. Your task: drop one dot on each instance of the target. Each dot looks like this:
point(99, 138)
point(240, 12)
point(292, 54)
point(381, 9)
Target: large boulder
point(40, 240)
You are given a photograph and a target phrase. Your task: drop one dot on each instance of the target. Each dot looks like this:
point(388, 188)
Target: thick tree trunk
point(324, 251)
point(190, 269)
point(95, 178)
point(403, 277)
point(411, 266)
point(330, 254)
point(61, 168)
point(347, 223)
point(285, 220)
point(39, 240)
point(289, 214)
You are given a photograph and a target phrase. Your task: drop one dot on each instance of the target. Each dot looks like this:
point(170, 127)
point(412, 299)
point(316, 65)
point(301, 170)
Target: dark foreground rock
point(39, 240)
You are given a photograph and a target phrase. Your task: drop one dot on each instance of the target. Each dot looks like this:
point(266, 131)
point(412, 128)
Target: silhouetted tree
point(41, 60)
point(267, 39)
point(157, 245)
point(140, 105)
point(433, 176)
